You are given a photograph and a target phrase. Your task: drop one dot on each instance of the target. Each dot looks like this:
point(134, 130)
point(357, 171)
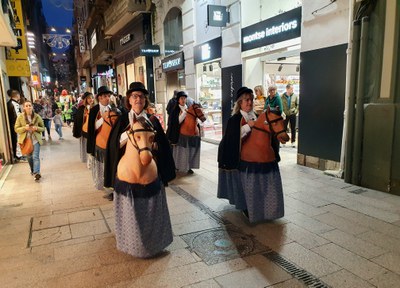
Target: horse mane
point(146, 124)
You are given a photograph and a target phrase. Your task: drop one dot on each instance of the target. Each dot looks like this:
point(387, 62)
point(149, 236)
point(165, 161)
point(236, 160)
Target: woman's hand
point(251, 123)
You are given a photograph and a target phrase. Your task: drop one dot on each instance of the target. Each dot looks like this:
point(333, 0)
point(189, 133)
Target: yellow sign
point(20, 51)
point(19, 68)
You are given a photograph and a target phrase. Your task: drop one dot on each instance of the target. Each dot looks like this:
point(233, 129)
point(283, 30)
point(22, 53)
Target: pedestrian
point(67, 113)
point(13, 109)
point(30, 125)
point(58, 123)
point(254, 187)
point(47, 115)
point(259, 99)
point(81, 122)
point(290, 104)
point(142, 220)
point(274, 102)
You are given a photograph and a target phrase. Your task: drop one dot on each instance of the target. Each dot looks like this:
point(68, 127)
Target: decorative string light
point(59, 41)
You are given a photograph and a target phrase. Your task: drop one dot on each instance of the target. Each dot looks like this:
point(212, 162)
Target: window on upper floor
point(173, 36)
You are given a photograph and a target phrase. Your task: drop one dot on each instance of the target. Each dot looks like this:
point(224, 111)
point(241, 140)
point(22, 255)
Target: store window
point(209, 83)
point(173, 36)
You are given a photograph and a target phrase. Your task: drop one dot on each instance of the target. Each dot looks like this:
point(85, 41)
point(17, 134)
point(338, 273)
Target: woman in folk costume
point(95, 144)
point(186, 143)
point(81, 122)
point(139, 165)
point(253, 186)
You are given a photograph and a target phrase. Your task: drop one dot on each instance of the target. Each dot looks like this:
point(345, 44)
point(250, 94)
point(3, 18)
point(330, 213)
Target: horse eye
point(138, 137)
point(151, 138)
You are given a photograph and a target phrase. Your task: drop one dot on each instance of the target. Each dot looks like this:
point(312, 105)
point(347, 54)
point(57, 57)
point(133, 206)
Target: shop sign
point(81, 35)
point(125, 39)
point(273, 30)
point(231, 82)
point(149, 50)
point(172, 63)
point(20, 51)
point(208, 51)
point(93, 39)
point(217, 15)
point(18, 68)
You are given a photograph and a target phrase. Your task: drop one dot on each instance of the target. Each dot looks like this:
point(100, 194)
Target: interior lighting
point(31, 38)
point(30, 34)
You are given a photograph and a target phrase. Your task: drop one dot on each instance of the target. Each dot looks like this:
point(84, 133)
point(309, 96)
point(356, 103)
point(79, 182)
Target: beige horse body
point(189, 125)
point(257, 147)
point(138, 167)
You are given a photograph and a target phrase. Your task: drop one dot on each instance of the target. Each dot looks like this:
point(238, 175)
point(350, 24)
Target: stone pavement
point(59, 232)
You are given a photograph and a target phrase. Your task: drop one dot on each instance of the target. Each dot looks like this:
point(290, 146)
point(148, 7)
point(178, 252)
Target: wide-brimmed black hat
point(138, 86)
point(243, 90)
point(86, 94)
point(181, 94)
point(103, 90)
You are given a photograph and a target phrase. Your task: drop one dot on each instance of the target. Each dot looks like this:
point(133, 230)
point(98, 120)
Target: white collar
point(248, 115)
point(132, 112)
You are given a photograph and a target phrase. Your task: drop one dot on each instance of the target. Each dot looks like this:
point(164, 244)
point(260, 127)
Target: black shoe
point(37, 177)
point(245, 213)
point(190, 171)
point(109, 196)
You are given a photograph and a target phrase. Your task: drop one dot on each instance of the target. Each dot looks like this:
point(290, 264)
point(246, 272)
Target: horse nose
point(146, 157)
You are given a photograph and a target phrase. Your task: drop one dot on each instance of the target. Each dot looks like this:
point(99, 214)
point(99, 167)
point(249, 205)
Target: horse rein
point(134, 143)
point(269, 122)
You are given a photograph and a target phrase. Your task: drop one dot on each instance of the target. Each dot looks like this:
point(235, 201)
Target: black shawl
point(173, 125)
point(78, 122)
point(91, 139)
point(229, 147)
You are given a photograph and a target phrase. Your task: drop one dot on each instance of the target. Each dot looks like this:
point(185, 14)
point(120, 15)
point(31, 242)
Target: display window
point(130, 73)
point(121, 79)
point(209, 96)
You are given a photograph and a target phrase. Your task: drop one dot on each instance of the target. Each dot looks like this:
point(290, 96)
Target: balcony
point(102, 53)
point(8, 37)
point(121, 12)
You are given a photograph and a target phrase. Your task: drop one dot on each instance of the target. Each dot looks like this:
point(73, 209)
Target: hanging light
point(297, 68)
point(280, 68)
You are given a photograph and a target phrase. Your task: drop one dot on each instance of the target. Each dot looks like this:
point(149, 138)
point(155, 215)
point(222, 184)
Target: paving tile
point(308, 260)
point(204, 284)
point(194, 226)
point(390, 261)
point(88, 228)
point(345, 279)
point(304, 237)
point(354, 244)
point(355, 264)
point(303, 207)
point(50, 235)
point(308, 223)
point(84, 216)
point(50, 221)
point(292, 283)
point(341, 223)
point(85, 248)
point(387, 279)
point(381, 240)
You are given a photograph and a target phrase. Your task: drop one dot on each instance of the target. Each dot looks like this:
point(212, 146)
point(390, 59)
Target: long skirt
point(83, 153)
point(186, 153)
point(142, 222)
point(262, 186)
point(98, 168)
point(230, 187)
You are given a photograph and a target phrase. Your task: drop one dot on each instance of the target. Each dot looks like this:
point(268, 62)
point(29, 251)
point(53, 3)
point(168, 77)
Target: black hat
point(181, 94)
point(138, 86)
point(103, 90)
point(243, 90)
point(86, 94)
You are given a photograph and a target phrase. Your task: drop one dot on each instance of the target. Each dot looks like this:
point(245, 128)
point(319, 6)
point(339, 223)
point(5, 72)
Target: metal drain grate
point(300, 274)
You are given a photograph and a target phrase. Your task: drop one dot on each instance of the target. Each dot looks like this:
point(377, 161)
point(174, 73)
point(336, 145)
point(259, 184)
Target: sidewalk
point(59, 232)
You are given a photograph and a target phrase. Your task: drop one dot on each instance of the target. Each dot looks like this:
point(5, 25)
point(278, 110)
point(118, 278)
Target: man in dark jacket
point(13, 110)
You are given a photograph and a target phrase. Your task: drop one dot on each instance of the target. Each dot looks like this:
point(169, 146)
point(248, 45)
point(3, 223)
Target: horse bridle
point(134, 143)
point(195, 111)
point(269, 122)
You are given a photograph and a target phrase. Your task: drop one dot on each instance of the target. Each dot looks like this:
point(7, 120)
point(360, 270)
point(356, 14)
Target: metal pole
point(359, 116)
point(349, 118)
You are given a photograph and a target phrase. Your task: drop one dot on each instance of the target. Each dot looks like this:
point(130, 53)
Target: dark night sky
point(58, 13)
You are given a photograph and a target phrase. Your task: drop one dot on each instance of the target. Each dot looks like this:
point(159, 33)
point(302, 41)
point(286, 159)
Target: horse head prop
point(137, 164)
point(110, 117)
point(189, 125)
point(257, 147)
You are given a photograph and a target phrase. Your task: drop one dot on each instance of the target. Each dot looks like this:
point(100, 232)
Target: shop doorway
point(281, 72)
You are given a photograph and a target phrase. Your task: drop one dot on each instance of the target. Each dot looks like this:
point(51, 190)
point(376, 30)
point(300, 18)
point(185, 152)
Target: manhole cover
point(219, 245)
